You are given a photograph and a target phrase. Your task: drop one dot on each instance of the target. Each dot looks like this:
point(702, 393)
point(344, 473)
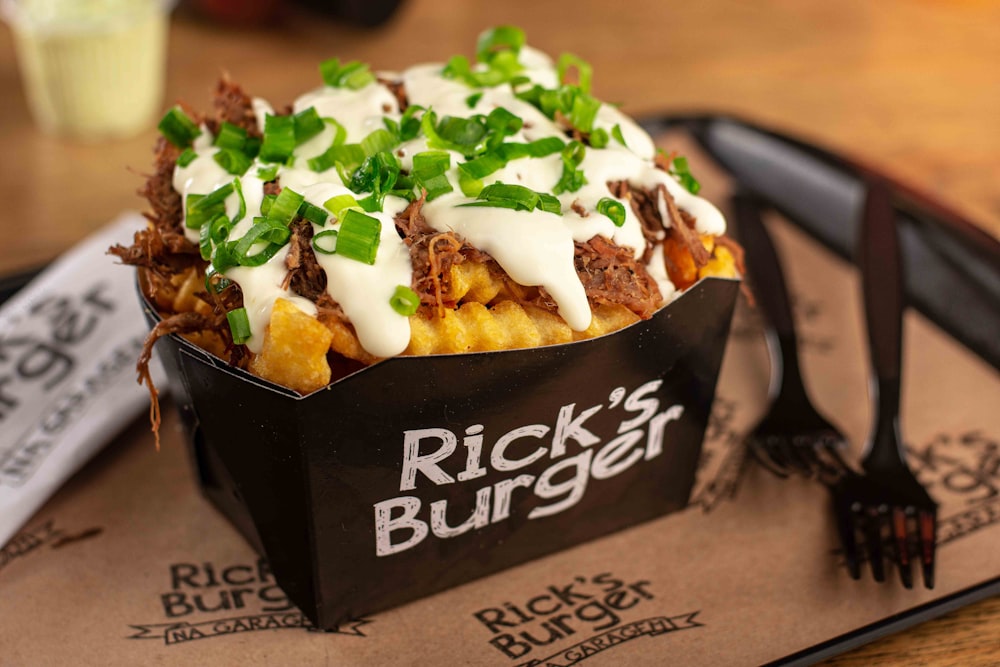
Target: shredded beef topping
point(610, 274)
point(682, 228)
point(305, 276)
point(234, 106)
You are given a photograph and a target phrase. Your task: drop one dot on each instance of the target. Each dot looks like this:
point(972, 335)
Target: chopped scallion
point(336, 205)
point(307, 125)
point(613, 209)
point(178, 128)
point(233, 161)
point(496, 40)
point(616, 132)
point(325, 242)
point(359, 236)
point(404, 301)
point(239, 325)
point(472, 100)
point(285, 207)
point(279, 139)
point(584, 72)
point(268, 173)
point(313, 213)
point(231, 136)
point(354, 75)
point(682, 172)
point(186, 158)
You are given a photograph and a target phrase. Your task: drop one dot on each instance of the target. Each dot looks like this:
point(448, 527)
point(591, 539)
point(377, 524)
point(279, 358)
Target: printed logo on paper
point(205, 600)
point(567, 622)
point(48, 535)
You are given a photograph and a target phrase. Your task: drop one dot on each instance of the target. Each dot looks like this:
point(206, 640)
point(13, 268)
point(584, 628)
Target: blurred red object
point(237, 12)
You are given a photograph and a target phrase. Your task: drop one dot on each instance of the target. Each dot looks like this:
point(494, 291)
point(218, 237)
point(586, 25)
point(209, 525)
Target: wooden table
point(912, 86)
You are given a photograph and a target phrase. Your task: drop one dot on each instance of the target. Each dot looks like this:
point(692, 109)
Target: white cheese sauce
point(535, 248)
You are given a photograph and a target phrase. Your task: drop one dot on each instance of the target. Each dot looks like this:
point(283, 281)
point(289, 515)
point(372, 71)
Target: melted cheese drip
point(535, 248)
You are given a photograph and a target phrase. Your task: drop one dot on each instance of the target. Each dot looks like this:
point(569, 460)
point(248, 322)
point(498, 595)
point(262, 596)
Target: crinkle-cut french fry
point(185, 299)
point(505, 326)
point(722, 264)
point(294, 351)
point(473, 281)
point(208, 340)
point(607, 317)
point(345, 341)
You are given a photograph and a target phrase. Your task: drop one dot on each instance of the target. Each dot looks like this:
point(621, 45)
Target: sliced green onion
point(517, 197)
point(471, 187)
point(325, 242)
point(503, 122)
point(239, 325)
point(483, 166)
point(313, 213)
point(599, 138)
point(186, 158)
point(349, 155)
point(572, 178)
point(241, 210)
point(429, 169)
point(307, 125)
point(612, 208)
point(266, 203)
point(265, 231)
point(359, 236)
point(404, 301)
point(178, 128)
point(233, 161)
point(679, 168)
point(279, 138)
point(379, 140)
point(213, 286)
point(461, 131)
point(219, 229)
point(205, 238)
point(200, 209)
point(549, 203)
point(538, 148)
point(499, 39)
point(584, 72)
point(472, 100)
point(286, 207)
point(616, 132)
point(377, 175)
point(252, 146)
point(231, 136)
point(268, 173)
point(431, 163)
point(224, 257)
point(336, 205)
point(353, 75)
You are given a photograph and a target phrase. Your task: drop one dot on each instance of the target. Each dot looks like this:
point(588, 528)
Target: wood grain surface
point(911, 86)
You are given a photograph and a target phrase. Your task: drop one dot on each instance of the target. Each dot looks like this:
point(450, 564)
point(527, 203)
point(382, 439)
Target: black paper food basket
point(418, 474)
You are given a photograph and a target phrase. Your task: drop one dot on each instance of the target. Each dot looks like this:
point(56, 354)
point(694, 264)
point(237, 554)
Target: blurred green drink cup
point(92, 69)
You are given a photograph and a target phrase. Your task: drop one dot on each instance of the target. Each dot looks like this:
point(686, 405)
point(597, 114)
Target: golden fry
point(294, 352)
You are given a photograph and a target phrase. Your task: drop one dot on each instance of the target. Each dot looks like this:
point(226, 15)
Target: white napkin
point(68, 346)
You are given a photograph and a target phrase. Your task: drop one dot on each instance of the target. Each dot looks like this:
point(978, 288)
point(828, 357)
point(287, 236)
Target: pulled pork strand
point(180, 323)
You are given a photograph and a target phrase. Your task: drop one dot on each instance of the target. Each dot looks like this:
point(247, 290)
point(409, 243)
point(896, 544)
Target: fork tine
point(927, 529)
point(900, 519)
point(847, 527)
point(875, 519)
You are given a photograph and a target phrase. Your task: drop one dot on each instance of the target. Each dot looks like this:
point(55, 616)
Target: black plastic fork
point(793, 437)
point(884, 513)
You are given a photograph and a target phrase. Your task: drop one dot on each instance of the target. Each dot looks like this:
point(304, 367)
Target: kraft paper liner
point(129, 564)
point(309, 480)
